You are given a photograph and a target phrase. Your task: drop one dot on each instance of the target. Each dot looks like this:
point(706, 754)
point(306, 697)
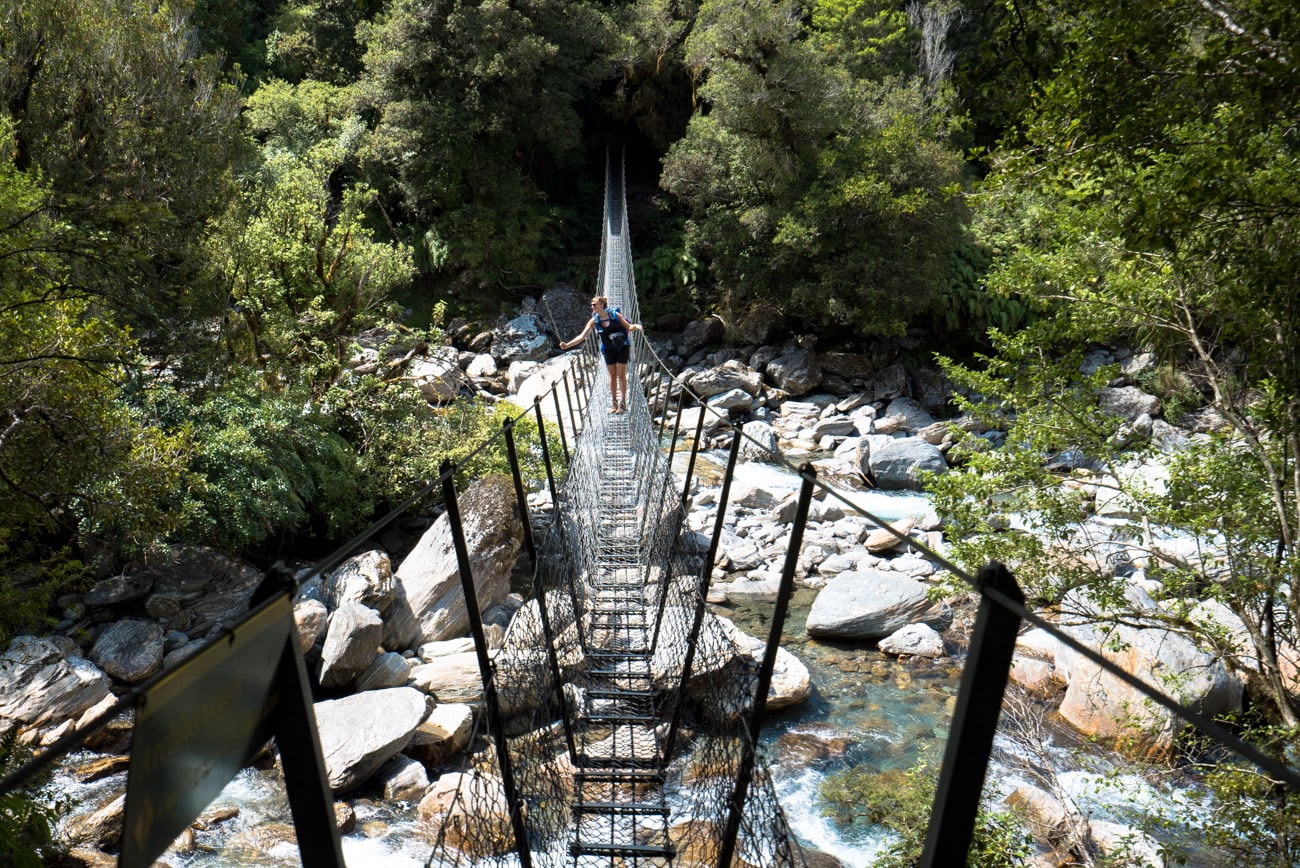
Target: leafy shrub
point(26, 821)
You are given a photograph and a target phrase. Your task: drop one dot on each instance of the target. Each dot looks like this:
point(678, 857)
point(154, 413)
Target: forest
point(204, 204)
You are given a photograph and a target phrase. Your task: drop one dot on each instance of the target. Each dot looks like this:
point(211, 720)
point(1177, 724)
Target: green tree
point(813, 178)
point(1154, 204)
point(478, 114)
point(303, 270)
point(134, 133)
point(82, 472)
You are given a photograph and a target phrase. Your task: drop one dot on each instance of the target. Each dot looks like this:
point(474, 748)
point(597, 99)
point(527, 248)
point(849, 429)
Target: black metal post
point(749, 746)
point(568, 399)
point(546, 453)
point(695, 448)
point(305, 777)
point(706, 574)
point(495, 724)
point(520, 495)
point(559, 420)
point(974, 723)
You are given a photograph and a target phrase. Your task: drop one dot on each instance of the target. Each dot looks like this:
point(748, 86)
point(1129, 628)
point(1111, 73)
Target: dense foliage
point(211, 213)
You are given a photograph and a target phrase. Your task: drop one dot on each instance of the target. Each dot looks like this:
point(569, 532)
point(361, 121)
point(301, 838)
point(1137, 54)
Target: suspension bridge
point(619, 724)
point(637, 746)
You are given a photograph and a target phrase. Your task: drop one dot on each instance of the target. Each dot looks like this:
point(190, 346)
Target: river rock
point(1098, 704)
point(759, 443)
point(791, 680)
point(726, 377)
point(914, 640)
point(310, 618)
point(915, 417)
point(387, 670)
point(697, 335)
point(1033, 666)
point(1133, 846)
point(890, 383)
point(366, 578)
point(1128, 402)
point(430, 603)
point(437, 375)
point(898, 464)
point(731, 401)
point(795, 371)
point(450, 678)
point(403, 779)
point(444, 732)
point(881, 540)
point(100, 828)
point(126, 588)
point(351, 644)
point(196, 588)
point(870, 604)
point(477, 821)
point(42, 684)
point(360, 733)
point(521, 339)
point(130, 650)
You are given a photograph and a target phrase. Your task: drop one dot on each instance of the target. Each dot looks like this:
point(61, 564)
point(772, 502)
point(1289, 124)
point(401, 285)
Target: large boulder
point(451, 678)
point(522, 339)
point(130, 650)
point(471, 811)
point(698, 335)
point(360, 733)
point(430, 603)
point(795, 371)
point(351, 644)
point(196, 589)
point(871, 604)
point(438, 375)
point(899, 463)
point(1099, 704)
point(1128, 402)
point(725, 377)
point(43, 683)
point(366, 578)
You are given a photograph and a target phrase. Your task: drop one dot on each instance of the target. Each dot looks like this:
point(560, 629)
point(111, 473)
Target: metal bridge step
point(621, 808)
point(642, 851)
point(616, 718)
point(618, 776)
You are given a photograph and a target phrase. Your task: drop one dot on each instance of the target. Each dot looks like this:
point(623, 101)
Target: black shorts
point(616, 355)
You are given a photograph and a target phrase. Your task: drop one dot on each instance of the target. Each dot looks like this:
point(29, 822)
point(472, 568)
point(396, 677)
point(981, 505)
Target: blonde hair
point(602, 300)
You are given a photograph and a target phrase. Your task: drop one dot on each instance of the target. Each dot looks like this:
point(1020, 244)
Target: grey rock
point(310, 618)
point(403, 779)
point(760, 442)
point(360, 733)
point(521, 339)
point(889, 383)
point(196, 589)
point(387, 670)
point(126, 588)
point(430, 603)
point(726, 377)
point(41, 684)
point(914, 640)
point(870, 604)
point(897, 464)
point(731, 400)
point(366, 578)
point(795, 371)
point(352, 642)
point(914, 415)
point(130, 650)
point(1128, 402)
point(698, 335)
point(445, 731)
point(438, 375)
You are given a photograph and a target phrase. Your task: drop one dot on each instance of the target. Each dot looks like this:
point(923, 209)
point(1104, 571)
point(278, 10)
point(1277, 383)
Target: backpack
point(614, 333)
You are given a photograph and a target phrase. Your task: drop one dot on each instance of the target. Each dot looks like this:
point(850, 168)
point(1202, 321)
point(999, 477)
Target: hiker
point(614, 331)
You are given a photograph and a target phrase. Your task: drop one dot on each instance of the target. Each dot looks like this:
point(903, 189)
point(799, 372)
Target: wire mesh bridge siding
point(628, 740)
